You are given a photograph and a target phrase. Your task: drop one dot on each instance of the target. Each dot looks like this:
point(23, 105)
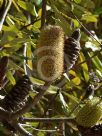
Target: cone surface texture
point(14, 100)
point(71, 49)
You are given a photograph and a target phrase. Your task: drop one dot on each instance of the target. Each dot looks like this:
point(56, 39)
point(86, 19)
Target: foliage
point(20, 32)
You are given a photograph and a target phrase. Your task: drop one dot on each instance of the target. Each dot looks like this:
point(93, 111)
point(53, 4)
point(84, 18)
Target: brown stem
point(25, 26)
point(43, 17)
point(86, 30)
point(96, 53)
point(61, 119)
point(22, 130)
point(4, 14)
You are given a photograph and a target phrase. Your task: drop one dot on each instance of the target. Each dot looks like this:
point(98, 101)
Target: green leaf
point(10, 77)
point(89, 17)
point(99, 73)
point(28, 6)
point(76, 23)
point(77, 1)
point(84, 67)
point(71, 97)
point(76, 80)
point(14, 66)
point(64, 104)
point(97, 62)
point(98, 11)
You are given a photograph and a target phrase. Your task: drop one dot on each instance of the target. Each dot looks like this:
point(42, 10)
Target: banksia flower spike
point(15, 98)
point(91, 113)
point(71, 49)
point(50, 53)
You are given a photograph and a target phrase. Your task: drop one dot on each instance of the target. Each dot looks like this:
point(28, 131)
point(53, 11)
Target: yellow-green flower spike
point(90, 114)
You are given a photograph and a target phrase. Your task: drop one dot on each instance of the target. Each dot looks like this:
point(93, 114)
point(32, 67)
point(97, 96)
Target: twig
point(51, 102)
point(24, 53)
point(61, 119)
point(31, 102)
point(96, 53)
point(69, 2)
point(42, 130)
point(88, 32)
point(43, 17)
point(49, 105)
point(22, 130)
point(48, 130)
point(63, 128)
point(30, 24)
point(4, 14)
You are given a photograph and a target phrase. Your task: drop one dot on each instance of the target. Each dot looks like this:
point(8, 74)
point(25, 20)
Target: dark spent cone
point(71, 49)
point(14, 100)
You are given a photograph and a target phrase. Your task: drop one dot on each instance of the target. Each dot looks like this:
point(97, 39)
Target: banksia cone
point(71, 49)
point(15, 98)
point(3, 67)
point(50, 53)
point(90, 114)
point(92, 131)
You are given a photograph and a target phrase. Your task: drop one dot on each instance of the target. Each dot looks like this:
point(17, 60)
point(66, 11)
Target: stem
point(25, 51)
point(96, 54)
point(22, 130)
point(43, 17)
point(88, 32)
point(61, 119)
point(4, 14)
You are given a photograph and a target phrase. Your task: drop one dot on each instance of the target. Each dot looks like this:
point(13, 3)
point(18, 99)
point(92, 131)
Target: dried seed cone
point(72, 49)
point(14, 100)
point(90, 114)
point(50, 54)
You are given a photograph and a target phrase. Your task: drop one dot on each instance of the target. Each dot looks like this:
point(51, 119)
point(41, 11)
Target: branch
point(49, 105)
point(88, 32)
point(4, 14)
point(43, 17)
point(22, 130)
point(30, 24)
point(47, 130)
point(96, 54)
point(31, 102)
point(61, 119)
point(5, 115)
point(51, 102)
point(25, 55)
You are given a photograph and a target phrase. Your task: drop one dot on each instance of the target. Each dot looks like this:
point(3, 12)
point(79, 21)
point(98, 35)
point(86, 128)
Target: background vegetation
point(19, 32)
